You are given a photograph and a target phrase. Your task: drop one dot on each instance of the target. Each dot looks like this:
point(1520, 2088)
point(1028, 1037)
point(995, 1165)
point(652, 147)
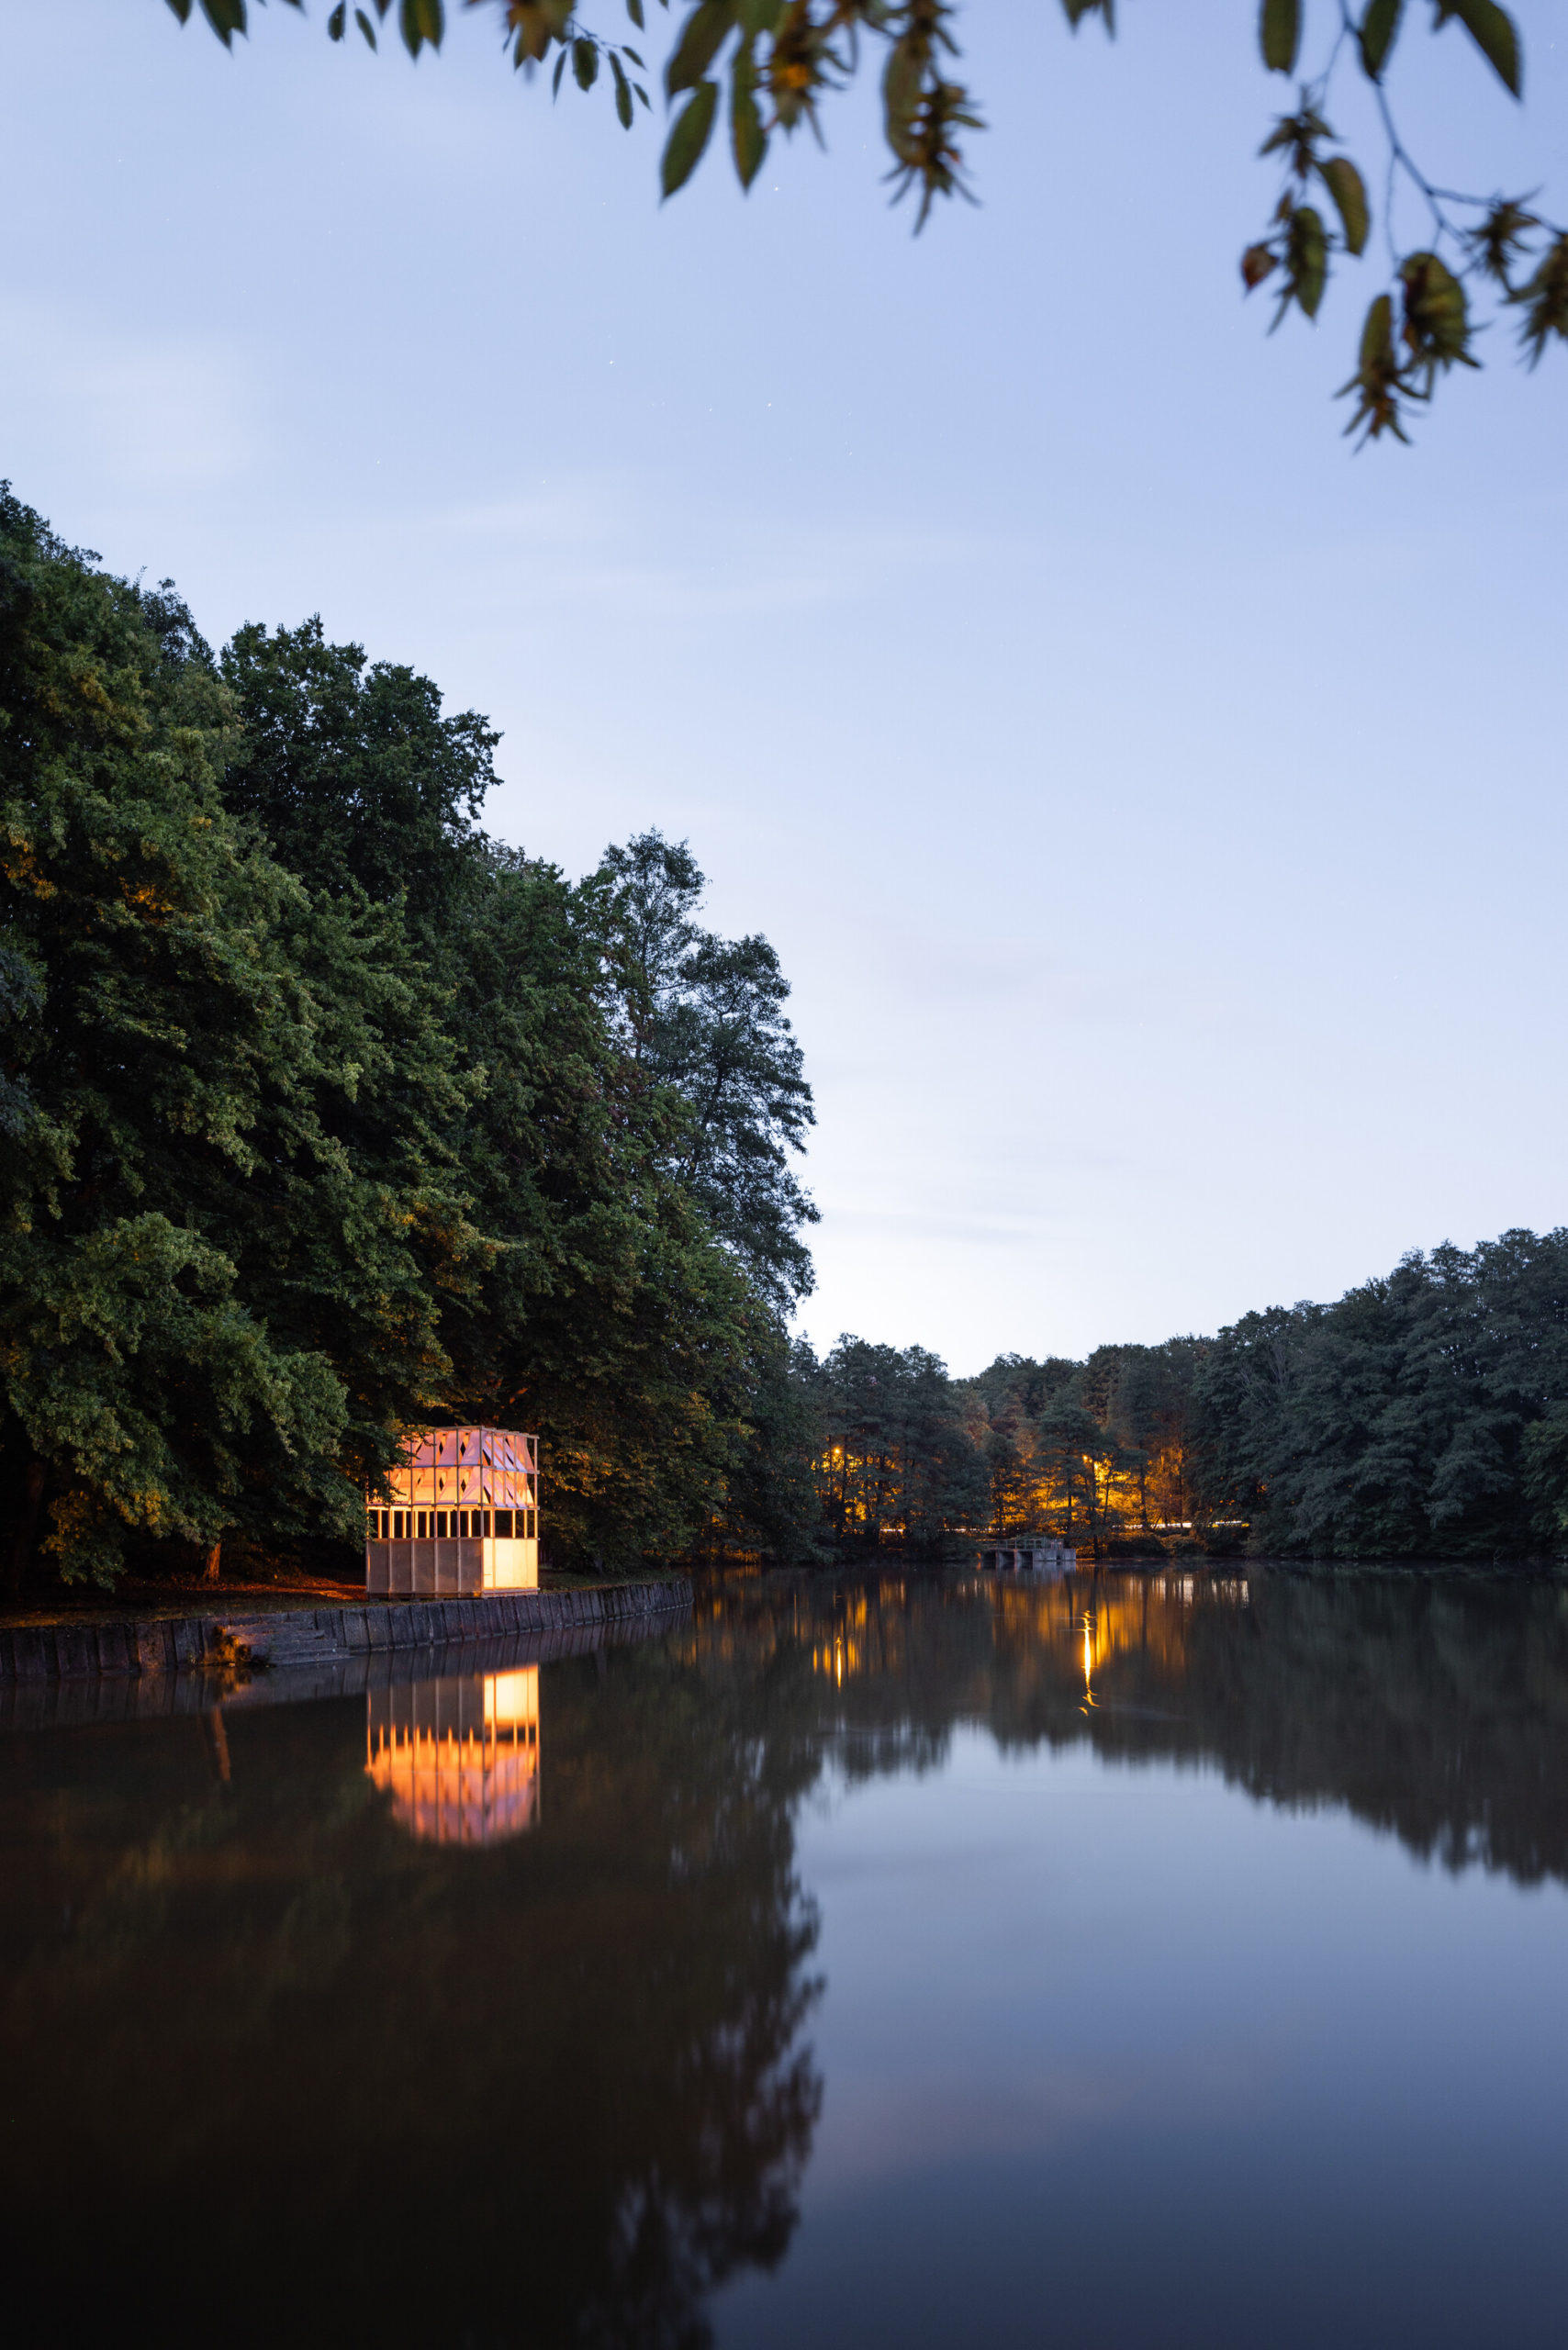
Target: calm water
point(1134, 1960)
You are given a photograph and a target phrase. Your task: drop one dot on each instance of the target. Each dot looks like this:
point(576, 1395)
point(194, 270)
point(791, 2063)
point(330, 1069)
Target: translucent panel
point(492, 1468)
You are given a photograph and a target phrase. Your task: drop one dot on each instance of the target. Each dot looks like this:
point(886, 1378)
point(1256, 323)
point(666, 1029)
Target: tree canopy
point(771, 67)
point(230, 1200)
point(322, 1113)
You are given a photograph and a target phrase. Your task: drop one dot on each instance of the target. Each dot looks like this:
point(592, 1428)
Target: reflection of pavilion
point(460, 1757)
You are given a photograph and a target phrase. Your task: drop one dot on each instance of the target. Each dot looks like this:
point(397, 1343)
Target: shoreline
point(133, 1602)
point(145, 1645)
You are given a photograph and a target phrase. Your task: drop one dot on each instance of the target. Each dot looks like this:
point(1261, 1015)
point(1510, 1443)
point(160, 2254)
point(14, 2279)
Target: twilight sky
point(1158, 808)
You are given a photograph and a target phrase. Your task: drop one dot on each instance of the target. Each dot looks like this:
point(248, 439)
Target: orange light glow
point(459, 1758)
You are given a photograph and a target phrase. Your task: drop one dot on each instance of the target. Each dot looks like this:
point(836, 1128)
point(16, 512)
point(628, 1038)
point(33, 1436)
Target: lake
point(1142, 1958)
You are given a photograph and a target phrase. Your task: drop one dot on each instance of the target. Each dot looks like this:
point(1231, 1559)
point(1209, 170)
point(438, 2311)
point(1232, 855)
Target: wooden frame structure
point(463, 1517)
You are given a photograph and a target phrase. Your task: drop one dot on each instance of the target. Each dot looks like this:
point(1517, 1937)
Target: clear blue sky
point(1159, 810)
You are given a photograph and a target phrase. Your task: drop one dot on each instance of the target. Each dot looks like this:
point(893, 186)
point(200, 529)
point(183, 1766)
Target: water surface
point(1137, 1959)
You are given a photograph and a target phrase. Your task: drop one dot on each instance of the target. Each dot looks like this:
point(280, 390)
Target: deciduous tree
point(228, 1214)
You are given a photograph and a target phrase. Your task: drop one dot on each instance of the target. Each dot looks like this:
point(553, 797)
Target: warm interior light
point(459, 1758)
point(512, 1696)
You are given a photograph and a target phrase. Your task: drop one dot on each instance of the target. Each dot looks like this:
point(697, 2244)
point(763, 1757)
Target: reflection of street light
point(1087, 1666)
point(459, 1757)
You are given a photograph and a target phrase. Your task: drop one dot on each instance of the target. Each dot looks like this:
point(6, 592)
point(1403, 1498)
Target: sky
point(1157, 807)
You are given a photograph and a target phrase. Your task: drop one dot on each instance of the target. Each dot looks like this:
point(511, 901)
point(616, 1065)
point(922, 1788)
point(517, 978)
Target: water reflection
point(389, 2068)
point(459, 1758)
point(298, 1974)
point(1435, 1708)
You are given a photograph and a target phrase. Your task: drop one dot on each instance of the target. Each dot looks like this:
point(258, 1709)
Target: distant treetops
point(1425, 1416)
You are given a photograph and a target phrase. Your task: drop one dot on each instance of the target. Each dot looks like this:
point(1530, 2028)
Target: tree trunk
point(214, 1561)
point(26, 1523)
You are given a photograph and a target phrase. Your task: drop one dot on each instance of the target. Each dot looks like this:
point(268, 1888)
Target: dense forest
point(324, 1113)
point(1424, 1417)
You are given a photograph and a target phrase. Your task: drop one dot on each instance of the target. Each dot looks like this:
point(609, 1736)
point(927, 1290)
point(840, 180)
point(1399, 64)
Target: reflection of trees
point(338, 2083)
point(324, 2081)
point(1437, 1708)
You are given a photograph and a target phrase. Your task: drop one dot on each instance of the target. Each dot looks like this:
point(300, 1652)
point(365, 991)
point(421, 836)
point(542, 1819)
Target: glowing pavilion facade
point(463, 1517)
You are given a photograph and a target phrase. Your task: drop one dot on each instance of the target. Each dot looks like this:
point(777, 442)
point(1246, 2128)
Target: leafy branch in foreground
point(1420, 328)
point(783, 59)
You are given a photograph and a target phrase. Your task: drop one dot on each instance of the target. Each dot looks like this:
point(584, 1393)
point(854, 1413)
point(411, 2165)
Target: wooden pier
point(1028, 1554)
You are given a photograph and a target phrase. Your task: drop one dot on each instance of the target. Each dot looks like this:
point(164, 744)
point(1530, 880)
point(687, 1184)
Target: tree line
point(1422, 1417)
point(324, 1113)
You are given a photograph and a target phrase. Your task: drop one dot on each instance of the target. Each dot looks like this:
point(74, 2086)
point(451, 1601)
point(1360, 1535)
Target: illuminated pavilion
point(463, 1517)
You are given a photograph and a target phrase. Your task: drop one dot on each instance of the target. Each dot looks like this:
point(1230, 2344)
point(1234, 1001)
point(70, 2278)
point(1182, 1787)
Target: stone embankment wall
point(157, 1647)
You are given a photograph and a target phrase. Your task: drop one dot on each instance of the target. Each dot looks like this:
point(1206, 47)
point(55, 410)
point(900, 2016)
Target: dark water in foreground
point(1137, 1960)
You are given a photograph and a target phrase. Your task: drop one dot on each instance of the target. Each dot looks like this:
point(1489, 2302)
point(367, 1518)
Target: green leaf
point(182, 9)
point(1377, 335)
point(903, 80)
point(366, 27)
point(747, 137)
point(1345, 184)
point(628, 50)
point(643, 96)
point(623, 93)
point(337, 20)
point(1436, 317)
point(634, 10)
point(226, 18)
point(1379, 382)
point(1306, 262)
point(585, 64)
point(1377, 32)
point(1492, 30)
point(1309, 258)
point(555, 77)
point(701, 36)
point(421, 21)
point(1278, 34)
point(1545, 298)
point(683, 148)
